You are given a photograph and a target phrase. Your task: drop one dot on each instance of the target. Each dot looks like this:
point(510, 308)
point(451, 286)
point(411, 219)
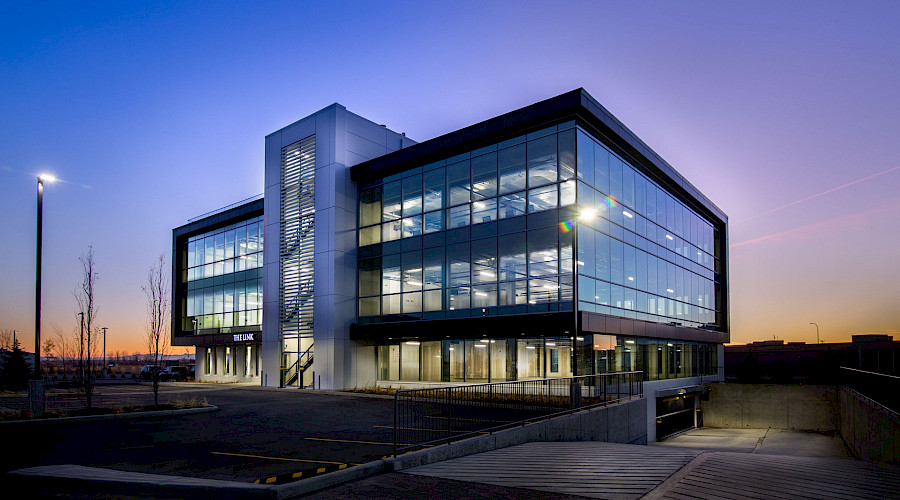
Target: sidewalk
point(705, 463)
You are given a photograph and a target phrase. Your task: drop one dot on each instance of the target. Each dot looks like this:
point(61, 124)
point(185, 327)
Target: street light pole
point(37, 277)
point(817, 333)
point(103, 369)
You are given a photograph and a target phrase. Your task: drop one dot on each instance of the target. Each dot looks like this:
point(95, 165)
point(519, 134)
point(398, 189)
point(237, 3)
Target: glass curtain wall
point(223, 272)
point(506, 359)
point(450, 239)
point(642, 254)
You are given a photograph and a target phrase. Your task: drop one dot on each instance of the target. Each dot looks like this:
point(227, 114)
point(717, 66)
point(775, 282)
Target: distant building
point(546, 242)
point(777, 361)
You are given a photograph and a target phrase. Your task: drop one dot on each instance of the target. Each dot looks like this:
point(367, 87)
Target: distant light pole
point(37, 278)
point(104, 348)
point(817, 333)
point(14, 338)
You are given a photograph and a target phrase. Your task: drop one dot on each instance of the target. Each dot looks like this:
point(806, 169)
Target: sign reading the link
point(241, 337)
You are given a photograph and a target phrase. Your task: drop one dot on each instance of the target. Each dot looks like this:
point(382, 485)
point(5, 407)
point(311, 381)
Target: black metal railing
point(297, 370)
point(425, 417)
point(879, 387)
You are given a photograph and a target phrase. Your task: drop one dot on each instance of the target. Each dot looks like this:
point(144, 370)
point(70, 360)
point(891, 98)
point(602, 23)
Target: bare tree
point(62, 348)
point(84, 298)
point(6, 339)
point(157, 292)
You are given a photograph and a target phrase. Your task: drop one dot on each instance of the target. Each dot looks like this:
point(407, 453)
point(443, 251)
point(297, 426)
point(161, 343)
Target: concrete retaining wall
point(619, 423)
point(761, 406)
point(869, 429)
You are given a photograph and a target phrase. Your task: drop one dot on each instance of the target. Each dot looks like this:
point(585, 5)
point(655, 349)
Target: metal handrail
point(424, 417)
point(881, 388)
point(295, 367)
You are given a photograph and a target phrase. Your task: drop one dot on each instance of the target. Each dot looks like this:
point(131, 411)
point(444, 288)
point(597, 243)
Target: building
point(546, 242)
point(217, 269)
point(792, 362)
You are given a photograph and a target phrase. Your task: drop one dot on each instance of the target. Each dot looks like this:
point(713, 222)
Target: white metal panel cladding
point(298, 167)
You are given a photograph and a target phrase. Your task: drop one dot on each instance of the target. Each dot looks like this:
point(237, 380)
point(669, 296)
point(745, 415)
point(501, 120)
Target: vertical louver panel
point(298, 166)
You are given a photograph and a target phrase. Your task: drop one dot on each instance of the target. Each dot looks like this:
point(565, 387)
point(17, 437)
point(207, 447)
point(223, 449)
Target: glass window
point(434, 189)
point(412, 195)
point(567, 193)
point(627, 186)
point(601, 168)
point(586, 261)
point(477, 360)
point(542, 198)
point(513, 292)
point(484, 295)
point(484, 260)
point(220, 247)
point(585, 158)
point(412, 272)
point(431, 361)
point(567, 155)
point(370, 206)
point(390, 304)
point(433, 221)
point(369, 277)
point(229, 244)
point(615, 177)
point(512, 169)
point(529, 356)
point(458, 182)
point(390, 274)
point(616, 261)
point(240, 240)
point(512, 205)
point(457, 357)
point(369, 235)
point(370, 306)
point(458, 298)
point(433, 266)
point(498, 360)
point(484, 176)
point(542, 168)
point(391, 201)
point(543, 252)
point(603, 256)
point(412, 302)
point(391, 231)
point(484, 211)
point(389, 362)
point(458, 216)
point(433, 300)
point(458, 256)
point(412, 226)
point(512, 257)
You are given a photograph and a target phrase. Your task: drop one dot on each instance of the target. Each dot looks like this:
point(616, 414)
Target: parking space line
point(278, 458)
point(350, 441)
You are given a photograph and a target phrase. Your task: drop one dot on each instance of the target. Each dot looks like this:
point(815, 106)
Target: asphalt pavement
point(256, 433)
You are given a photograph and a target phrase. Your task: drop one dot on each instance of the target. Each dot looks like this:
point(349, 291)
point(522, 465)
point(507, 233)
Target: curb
point(301, 474)
point(113, 416)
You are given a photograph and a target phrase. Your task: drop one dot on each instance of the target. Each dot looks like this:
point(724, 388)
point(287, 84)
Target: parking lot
point(257, 433)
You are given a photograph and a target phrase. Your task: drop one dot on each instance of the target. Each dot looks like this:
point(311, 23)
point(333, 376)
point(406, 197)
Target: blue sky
point(153, 113)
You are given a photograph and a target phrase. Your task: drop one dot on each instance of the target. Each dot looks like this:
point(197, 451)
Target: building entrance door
point(675, 414)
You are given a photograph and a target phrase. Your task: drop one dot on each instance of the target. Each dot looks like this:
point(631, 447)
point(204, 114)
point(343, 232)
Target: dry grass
point(193, 402)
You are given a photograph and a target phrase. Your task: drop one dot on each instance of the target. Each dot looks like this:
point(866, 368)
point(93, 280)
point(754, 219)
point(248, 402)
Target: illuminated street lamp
point(37, 280)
